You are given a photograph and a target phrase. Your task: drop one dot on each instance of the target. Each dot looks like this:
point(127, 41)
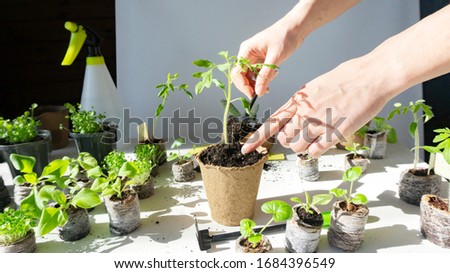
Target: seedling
point(15, 225)
point(21, 129)
point(350, 175)
point(318, 199)
point(148, 152)
point(249, 111)
point(37, 203)
point(177, 155)
point(443, 146)
point(280, 211)
point(207, 79)
point(414, 108)
point(355, 149)
point(84, 121)
point(163, 93)
point(83, 165)
point(381, 125)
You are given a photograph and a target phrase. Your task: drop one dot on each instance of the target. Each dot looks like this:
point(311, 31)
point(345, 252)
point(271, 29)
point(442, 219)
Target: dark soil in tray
point(229, 155)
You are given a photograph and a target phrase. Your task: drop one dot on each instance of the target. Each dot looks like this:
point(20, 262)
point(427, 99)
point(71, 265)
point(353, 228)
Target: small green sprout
point(177, 155)
point(350, 175)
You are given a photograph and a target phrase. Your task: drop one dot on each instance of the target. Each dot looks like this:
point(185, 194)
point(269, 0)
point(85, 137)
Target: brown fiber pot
point(231, 191)
point(435, 222)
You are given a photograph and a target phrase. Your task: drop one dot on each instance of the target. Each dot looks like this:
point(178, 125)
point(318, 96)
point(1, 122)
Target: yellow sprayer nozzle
point(77, 39)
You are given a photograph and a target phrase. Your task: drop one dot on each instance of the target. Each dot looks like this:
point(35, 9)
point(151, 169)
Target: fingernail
point(244, 149)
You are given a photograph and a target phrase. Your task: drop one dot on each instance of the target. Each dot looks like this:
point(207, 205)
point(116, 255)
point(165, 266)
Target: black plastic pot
point(39, 149)
point(97, 144)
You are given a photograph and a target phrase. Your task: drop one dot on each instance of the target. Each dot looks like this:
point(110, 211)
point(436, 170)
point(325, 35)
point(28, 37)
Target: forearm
point(419, 53)
point(308, 15)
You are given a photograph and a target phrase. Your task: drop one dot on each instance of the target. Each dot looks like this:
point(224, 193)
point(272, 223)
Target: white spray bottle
point(99, 91)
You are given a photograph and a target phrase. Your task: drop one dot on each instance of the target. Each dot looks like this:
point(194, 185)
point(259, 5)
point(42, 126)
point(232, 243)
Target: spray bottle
point(99, 91)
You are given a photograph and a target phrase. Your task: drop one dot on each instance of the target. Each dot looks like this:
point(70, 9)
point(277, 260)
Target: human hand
point(270, 46)
point(326, 110)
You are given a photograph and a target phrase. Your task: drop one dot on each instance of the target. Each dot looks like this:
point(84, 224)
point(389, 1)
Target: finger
point(321, 145)
point(305, 138)
point(243, 83)
point(289, 131)
point(265, 76)
point(269, 128)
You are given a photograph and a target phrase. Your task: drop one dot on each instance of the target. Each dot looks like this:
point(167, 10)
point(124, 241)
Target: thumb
point(265, 76)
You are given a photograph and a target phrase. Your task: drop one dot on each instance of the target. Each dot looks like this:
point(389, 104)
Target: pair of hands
point(324, 111)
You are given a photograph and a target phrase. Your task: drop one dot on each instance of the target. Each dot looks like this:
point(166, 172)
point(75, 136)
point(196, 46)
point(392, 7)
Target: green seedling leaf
point(255, 238)
point(23, 163)
point(99, 184)
point(352, 174)
point(86, 198)
point(129, 169)
point(203, 63)
point(50, 219)
point(246, 227)
point(95, 172)
point(321, 199)
point(55, 169)
point(233, 111)
point(31, 178)
point(59, 198)
point(30, 206)
point(392, 136)
point(178, 142)
point(359, 199)
point(45, 194)
point(412, 129)
point(280, 210)
point(338, 192)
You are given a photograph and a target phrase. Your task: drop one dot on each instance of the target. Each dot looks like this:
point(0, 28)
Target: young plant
point(83, 166)
point(149, 152)
point(163, 93)
point(280, 211)
point(350, 175)
point(414, 108)
point(355, 149)
point(381, 125)
point(14, 225)
point(180, 158)
point(318, 199)
point(122, 175)
point(37, 204)
point(207, 79)
point(84, 121)
point(21, 129)
point(443, 146)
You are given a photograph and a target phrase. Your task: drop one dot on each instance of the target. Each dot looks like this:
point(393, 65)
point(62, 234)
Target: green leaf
point(224, 67)
point(440, 137)
point(338, 192)
point(59, 198)
point(159, 110)
point(255, 238)
point(45, 194)
point(178, 142)
point(55, 169)
point(128, 169)
point(224, 54)
point(99, 184)
point(412, 129)
point(31, 178)
point(352, 174)
point(219, 84)
point(199, 87)
point(196, 75)
point(280, 210)
point(392, 136)
point(50, 219)
point(23, 163)
point(203, 63)
point(430, 149)
point(19, 180)
point(30, 206)
point(189, 94)
point(359, 199)
point(246, 227)
point(321, 199)
point(397, 104)
point(296, 200)
point(94, 172)
point(86, 198)
point(172, 157)
point(233, 110)
point(446, 154)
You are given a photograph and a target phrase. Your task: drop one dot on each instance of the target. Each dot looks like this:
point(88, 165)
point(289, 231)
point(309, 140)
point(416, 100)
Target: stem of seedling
point(227, 106)
point(416, 141)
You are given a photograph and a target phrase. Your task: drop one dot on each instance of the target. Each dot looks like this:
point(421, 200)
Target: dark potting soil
point(303, 157)
point(127, 195)
point(438, 203)
point(420, 172)
point(229, 155)
point(315, 219)
point(357, 156)
point(237, 128)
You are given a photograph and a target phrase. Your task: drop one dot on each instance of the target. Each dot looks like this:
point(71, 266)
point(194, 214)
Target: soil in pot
point(308, 167)
point(241, 130)
point(26, 245)
point(244, 246)
point(77, 226)
point(303, 231)
point(5, 199)
point(377, 143)
point(124, 214)
point(359, 160)
point(145, 190)
point(415, 182)
point(183, 171)
point(231, 181)
point(435, 220)
point(346, 231)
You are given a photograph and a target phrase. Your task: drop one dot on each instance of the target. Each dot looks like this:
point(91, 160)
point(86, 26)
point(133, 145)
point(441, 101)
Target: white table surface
point(167, 218)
